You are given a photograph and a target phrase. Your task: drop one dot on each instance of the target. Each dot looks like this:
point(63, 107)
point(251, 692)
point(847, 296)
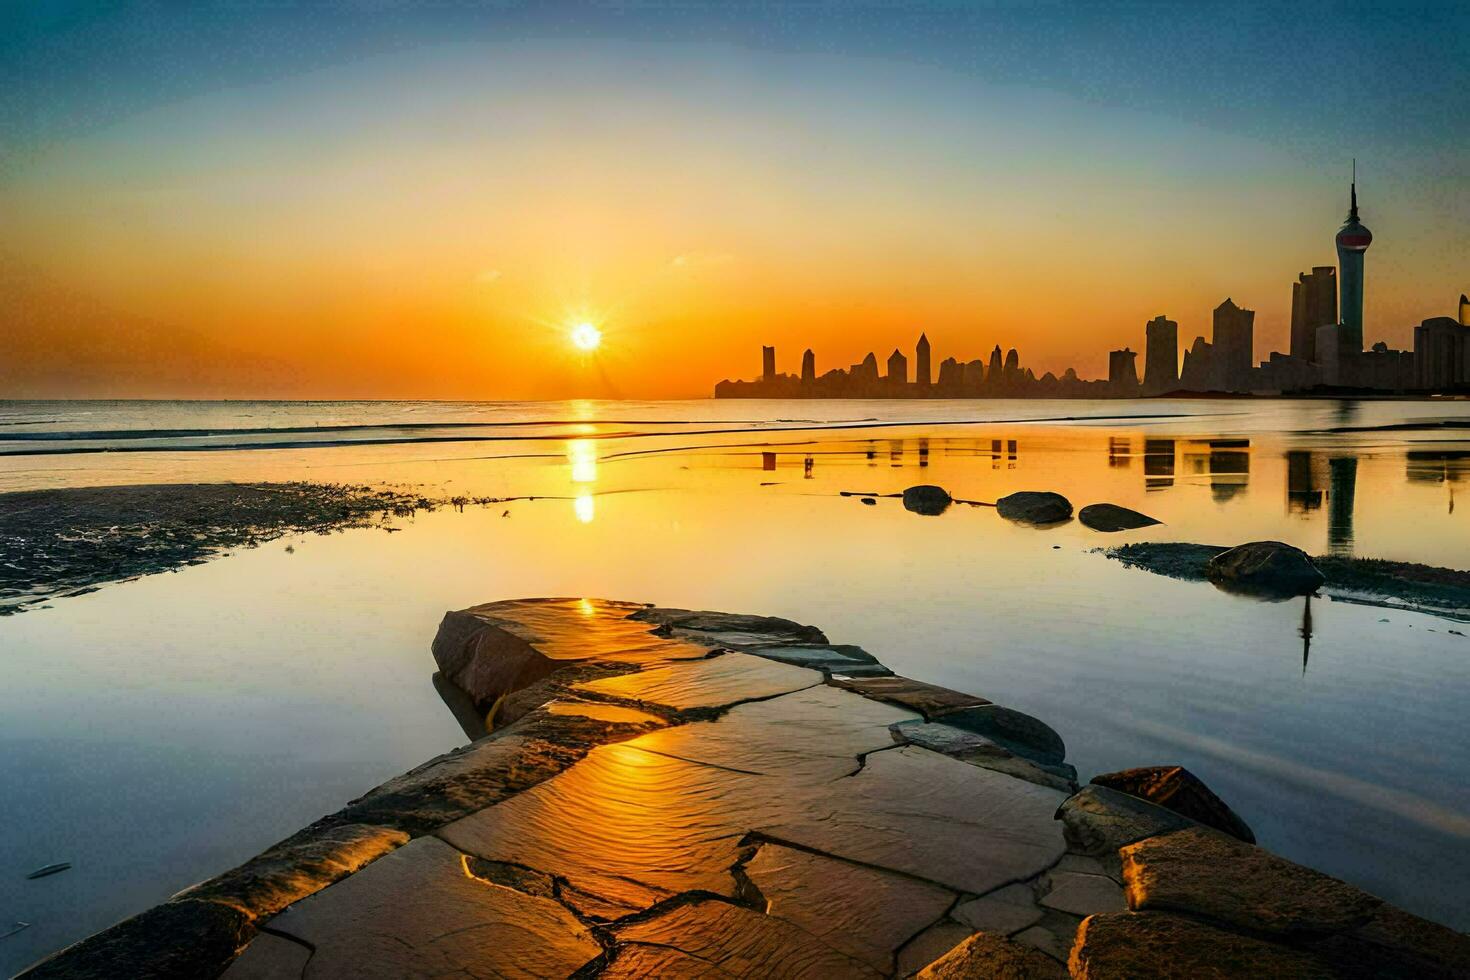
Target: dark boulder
point(1269, 569)
point(1111, 517)
point(927, 499)
point(1034, 507)
point(1176, 788)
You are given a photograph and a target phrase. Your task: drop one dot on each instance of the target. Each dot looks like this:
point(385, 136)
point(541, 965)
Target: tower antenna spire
point(1353, 213)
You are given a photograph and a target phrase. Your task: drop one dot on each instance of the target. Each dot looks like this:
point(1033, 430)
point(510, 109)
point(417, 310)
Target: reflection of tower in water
point(1226, 463)
point(1340, 500)
point(1303, 487)
point(1158, 464)
point(1120, 451)
point(923, 453)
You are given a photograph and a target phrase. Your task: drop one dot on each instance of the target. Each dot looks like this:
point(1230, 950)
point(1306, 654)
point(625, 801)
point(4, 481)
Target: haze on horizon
point(412, 201)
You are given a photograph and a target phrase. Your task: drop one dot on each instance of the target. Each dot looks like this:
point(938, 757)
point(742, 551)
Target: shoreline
point(66, 542)
point(660, 790)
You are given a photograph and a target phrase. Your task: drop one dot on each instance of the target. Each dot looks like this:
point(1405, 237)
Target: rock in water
point(1176, 788)
point(927, 499)
point(1034, 507)
point(1111, 517)
point(1269, 569)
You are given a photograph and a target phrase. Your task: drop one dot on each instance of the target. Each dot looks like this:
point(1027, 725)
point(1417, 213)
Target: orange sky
point(432, 223)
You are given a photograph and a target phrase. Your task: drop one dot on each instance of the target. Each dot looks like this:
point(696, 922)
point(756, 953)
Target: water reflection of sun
point(582, 457)
point(584, 507)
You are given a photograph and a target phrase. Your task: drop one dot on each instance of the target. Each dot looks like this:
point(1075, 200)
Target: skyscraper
point(921, 361)
point(768, 364)
point(898, 368)
point(1234, 342)
point(1353, 239)
point(1123, 371)
point(808, 367)
point(1313, 305)
point(1161, 356)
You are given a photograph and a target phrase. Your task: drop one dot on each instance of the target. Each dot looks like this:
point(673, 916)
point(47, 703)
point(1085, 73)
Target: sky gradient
point(394, 200)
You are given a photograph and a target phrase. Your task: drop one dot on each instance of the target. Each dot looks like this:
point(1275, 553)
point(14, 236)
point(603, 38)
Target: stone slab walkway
point(667, 793)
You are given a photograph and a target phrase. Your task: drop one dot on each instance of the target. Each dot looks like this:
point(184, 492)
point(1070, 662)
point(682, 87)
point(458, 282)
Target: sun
point(586, 337)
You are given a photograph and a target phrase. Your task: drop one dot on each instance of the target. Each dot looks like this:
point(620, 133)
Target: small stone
point(1098, 821)
point(1016, 730)
point(1084, 894)
point(869, 501)
point(1158, 946)
point(1005, 910)
point(977, 750)
point(929, 700)
point(1034, 507)
point(927, 500)
point(993, 958)
point(1265, 569)
point(1176, 788)
point(1111, 517)
point(1199, 872)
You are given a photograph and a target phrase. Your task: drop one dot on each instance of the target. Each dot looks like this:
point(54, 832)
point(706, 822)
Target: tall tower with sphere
point(1353, 239)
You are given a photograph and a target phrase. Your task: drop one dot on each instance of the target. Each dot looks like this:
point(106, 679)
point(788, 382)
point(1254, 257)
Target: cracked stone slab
point(417, 912)
point(269, 958)
point(993, 958)
point(301, 865)
point(1046, 940)
point(742, 942)
point(929, 700)
point(597, 711)
point(862, 912)
point(180, 938)
point(1021, 733)
point(491, 650)
point(930, 945)
point(1098, 821)
point(460, 782)
point(1005, 910)
point(978, 750)
point(1201, 872)
point(625, 826)
point(713, 683)
point(638, 961)
point(729, 629)
point(808, 736)
point(1083, 894)
point(1160, 946)
point(924, 814)
point(832, 658)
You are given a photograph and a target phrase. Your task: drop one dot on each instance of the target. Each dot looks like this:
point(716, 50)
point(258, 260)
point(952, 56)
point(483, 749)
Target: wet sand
point(70, 541)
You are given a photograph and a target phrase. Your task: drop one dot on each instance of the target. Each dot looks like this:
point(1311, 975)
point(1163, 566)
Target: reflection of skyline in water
point(1158, 464)
point(1320, 485)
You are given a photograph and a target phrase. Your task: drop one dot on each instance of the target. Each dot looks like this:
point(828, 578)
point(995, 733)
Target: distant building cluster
point(1326, 355)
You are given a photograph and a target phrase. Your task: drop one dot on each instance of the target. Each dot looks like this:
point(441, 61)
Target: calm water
point(161, 730)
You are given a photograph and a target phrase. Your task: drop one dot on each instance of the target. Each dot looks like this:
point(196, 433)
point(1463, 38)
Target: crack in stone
point(697, 762)
point(761, 837)
point(862, 759)
point(266, 930)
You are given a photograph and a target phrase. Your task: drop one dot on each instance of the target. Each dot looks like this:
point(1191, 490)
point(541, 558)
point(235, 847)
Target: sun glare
point(586, 337)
